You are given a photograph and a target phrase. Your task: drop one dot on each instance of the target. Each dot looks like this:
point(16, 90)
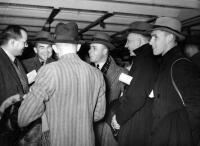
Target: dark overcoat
point(134, 113)
point(174, 124)
point(34, 63)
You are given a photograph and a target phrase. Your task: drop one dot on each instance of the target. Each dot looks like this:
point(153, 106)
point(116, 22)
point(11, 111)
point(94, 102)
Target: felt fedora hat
point(67, 33)
point(43, 37)
point(103, 38)
point(140, 27)
point(170, 25)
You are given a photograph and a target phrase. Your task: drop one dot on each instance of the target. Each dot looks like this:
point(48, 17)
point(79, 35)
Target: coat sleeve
point(187, 79)
point(100, 107)
point(136, 93)
point(33, 105)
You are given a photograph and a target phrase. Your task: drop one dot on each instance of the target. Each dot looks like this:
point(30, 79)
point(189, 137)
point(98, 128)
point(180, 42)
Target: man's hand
point(9, 101)
point(114, 123)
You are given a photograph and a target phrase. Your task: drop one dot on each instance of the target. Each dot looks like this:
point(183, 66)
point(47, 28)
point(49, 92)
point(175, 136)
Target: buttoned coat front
point(73, 93)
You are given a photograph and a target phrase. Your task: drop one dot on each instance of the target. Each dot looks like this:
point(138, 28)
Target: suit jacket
point(34, 63)
point(72, 94)
point(9, 81)
point(9, 85)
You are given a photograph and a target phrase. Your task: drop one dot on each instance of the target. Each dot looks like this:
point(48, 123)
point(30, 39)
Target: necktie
point(97, 66)
point(22, 79)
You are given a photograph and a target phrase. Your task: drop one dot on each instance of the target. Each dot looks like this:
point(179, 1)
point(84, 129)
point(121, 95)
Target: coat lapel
point(9, 66)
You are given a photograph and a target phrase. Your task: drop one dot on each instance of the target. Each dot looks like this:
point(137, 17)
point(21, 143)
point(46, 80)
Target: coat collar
point(143, 50)
point(174, 52)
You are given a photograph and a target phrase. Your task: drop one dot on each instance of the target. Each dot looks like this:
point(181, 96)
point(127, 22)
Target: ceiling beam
point(50, 19)
point(98, 21)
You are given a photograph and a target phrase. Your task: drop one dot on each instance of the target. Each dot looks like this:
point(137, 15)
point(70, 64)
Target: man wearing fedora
point(43, 49)
point(99, 54)
point(176, 107)
point(69, 91)
point(133, 116)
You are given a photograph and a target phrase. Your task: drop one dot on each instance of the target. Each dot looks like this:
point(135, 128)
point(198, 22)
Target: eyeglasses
point(25, 44)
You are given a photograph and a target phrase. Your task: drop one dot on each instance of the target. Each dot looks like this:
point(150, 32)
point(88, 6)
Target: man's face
point(158, 42)
point(20, 44)
point(44, 51)
point(96, 52)
point(133, 42)
point(191, 50)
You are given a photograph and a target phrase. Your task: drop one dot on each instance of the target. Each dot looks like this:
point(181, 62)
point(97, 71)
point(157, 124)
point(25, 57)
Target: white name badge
point(31, 76)
point(125, 78)
point(151, 95)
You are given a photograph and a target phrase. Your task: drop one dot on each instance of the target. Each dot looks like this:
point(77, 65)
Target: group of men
point(81, 104)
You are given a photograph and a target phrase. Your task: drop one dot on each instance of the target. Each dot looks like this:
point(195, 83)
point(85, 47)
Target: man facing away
point(69, 91)
point(99, 54)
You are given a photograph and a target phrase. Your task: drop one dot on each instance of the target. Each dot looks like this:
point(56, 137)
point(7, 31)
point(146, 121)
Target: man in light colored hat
point(69, 91)
point(43, 42)
point(99, 54)
point(176, 107)
point(133, 115)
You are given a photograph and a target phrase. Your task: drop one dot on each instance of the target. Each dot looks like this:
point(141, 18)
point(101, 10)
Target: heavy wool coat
point(34, 63)
point(114, 88)
point(72, 94)
point(134, 112)
point(181, 124)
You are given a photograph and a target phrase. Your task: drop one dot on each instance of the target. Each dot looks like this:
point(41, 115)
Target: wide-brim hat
point(67, 33)
point(140, 27)
point(44, 37)
point(170, 25)
point(102, 38)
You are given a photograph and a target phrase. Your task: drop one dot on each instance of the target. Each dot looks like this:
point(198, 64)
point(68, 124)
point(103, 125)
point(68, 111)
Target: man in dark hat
point(133, 116)
point(69, 91)
point(99, 54)
point(176, 107)
point(43, 49)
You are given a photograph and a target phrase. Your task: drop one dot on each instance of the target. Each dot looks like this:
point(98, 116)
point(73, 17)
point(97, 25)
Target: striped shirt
point(72, 94)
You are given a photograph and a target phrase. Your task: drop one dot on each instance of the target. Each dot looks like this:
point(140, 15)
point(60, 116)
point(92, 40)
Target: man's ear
point(78, 47)
point(12, 42)
point(35, 50)
point(170, 37)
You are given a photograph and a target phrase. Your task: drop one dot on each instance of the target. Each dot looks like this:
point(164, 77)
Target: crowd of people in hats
point(67, 101)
